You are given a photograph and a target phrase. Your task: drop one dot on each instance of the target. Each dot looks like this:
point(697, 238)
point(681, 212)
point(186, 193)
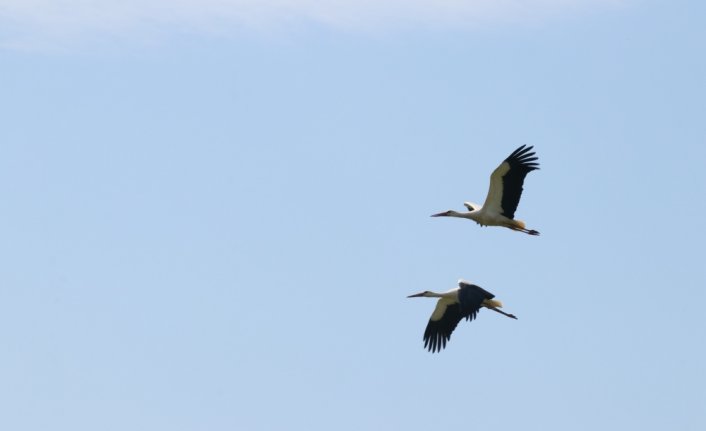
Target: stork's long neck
point(451, 294)
point(471, 215)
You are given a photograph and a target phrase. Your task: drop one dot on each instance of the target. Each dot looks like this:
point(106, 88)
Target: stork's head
point(416, 295)
point(448, 213)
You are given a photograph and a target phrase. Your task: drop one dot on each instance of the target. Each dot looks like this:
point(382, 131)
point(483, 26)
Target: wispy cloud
point(32, 21)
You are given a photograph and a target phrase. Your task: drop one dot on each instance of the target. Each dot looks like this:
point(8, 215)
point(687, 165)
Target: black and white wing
point(507, 179)
point(442, 323)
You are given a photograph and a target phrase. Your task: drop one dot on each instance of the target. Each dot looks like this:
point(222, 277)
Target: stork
point(504, 194)
point(464, 301)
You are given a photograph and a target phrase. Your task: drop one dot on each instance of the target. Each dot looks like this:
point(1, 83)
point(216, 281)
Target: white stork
point(464, 301)
point(504, 194)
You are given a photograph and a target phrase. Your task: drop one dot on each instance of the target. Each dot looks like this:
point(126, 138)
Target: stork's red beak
point(416, 295)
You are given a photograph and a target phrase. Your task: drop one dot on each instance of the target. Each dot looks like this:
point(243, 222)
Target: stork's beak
point(439, 214)
point(416, 295)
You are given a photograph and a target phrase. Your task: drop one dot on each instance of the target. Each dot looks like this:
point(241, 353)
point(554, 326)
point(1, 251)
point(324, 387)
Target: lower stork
point(464, 301)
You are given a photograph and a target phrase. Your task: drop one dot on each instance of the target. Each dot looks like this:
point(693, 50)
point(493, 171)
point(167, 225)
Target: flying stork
point(504, 194)
point(464, 301)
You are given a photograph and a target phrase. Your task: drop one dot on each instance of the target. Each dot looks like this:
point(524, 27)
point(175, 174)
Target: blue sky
point(213, 214)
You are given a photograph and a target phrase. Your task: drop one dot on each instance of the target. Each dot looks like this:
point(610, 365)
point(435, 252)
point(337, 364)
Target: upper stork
point(462, 302)
point(504, 193)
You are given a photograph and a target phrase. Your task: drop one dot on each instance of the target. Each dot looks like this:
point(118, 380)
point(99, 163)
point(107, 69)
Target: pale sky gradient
point(33, 24)
point(218, 231)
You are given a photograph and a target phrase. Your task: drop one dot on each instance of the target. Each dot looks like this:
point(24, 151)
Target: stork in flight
point(464, 301)
point(504, 194)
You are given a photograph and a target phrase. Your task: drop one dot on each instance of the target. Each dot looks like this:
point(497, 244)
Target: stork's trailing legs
point(502, 312)
point(527, 231)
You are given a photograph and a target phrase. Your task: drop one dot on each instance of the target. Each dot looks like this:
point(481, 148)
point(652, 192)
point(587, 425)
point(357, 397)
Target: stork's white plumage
point(503, 195)
point(462, 302)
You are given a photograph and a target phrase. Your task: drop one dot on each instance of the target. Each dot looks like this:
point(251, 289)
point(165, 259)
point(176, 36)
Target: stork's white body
point(487, 218)
point(451, 297)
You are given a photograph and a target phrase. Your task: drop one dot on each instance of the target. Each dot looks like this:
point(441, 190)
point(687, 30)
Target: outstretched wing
point(471, 206)
point(507, 179)
point(471, 297)
point(442, 323)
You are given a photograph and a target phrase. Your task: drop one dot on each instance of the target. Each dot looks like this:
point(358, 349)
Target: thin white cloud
point(29, 21)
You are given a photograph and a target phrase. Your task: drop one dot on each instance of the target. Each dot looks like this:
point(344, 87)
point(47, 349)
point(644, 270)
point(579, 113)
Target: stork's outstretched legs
point(527, 231)
point(503, 313)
